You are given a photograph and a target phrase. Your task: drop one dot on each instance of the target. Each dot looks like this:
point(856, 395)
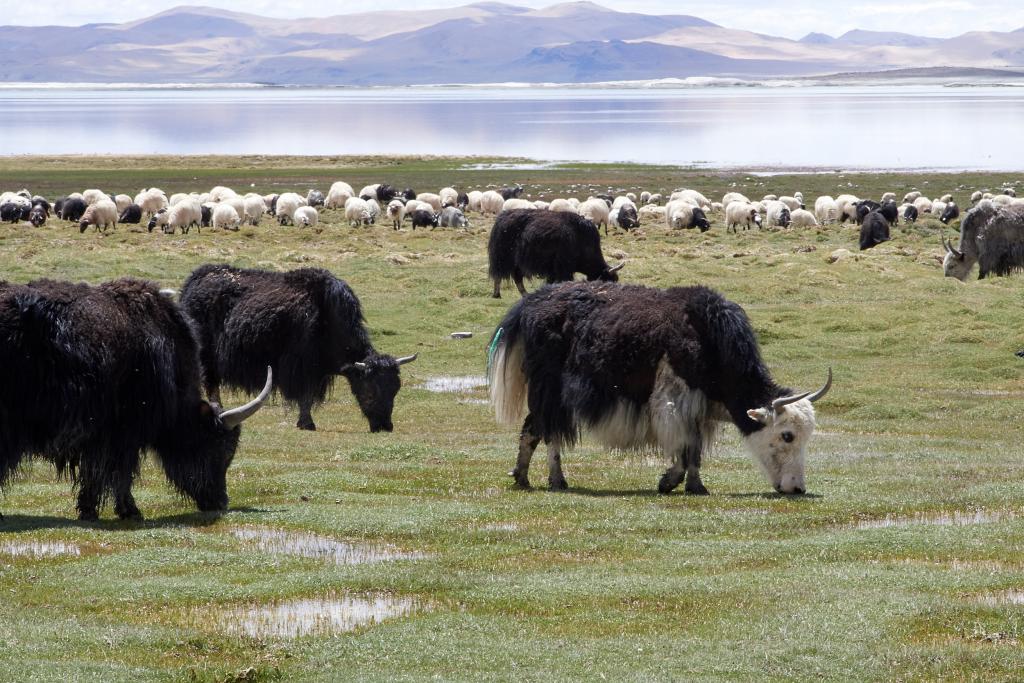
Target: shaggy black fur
point(306, 324)
point(95, 375)
point(552, 245)
point(951, 213)
point(628, 218)
point(890, 211)
point(864, 207)
point(588, 345)
point(385, 193)
point(910, 214)
point(37, 216)
point(874, 230)
point(510, 192)
point(995, 238)
point(131, 214)
point(421, 218)
point(10, 212)
point(73, 209)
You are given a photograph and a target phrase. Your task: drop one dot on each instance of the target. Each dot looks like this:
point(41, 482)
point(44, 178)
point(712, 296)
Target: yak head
point(611, 273)
point(780, 444)
point(956, 264)
point(375, 381)
point(700, 219)
point(951, 211)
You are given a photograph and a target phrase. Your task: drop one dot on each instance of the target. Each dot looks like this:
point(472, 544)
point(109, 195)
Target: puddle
point(321, 547)
point(40, 549)
point(954, 518)
point(1008, 597)
point(312, 617)
point(454, 385)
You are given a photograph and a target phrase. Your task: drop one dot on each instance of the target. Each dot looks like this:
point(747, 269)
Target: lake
point(808, 127)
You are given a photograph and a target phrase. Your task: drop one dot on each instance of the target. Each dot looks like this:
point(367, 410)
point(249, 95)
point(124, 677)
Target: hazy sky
point(791, 18)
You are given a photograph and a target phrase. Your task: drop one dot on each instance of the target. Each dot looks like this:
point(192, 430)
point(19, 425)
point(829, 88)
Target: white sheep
point(177, 198)
point(374, 209)
point(183, 215)
point(101, 214)
point(357, 211)
point(631, 196)
point(846, 206)
point(888, 197)
point(596, 211)
point(92, 196)
point(339, 193)
point(769, 198)
point(938, 207)
point(151, 200)
point(773, 212)
point(741, 213)
point(220, 193)
point(541, 205)
point(305, 216)
point(651, 211)
point(802, 218)
point(369, 191)
point(417, 205)
point(474, 200)
point(679, 213)
point(792, 203)
point(513, 203)
point(287, 203)
point(269, 200)
point(923, 205)
point(909, 197)
point(717, 207)
point(730, 197)
point(645, 197)
point(622, 200)
point(655, 198)
point(430, 198)
point(236, 202)
point(694, 197)
point(253, 208)
point(826, 210)
point(1002, 200)
point(491, 202)
point(976, 196)
point(225, 217)
point(122, 202)
point(563, 205)
point(396, 212)
point(1010, 191)
point(449, 196)
point(945, 199)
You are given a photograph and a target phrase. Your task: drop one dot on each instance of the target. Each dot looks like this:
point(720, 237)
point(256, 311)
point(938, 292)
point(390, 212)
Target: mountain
point(477, 43)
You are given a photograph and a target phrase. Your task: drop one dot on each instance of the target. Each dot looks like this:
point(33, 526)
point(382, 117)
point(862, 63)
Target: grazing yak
point(94, 376)
point(910, 214)
point(553, 245)
point(950, 213)
point(306, 324)
point(990, 236)
point(874, 229)
point(642, 367)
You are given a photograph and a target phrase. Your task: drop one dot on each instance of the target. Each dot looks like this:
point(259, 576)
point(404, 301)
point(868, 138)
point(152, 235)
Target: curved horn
point(780, 403)
point(955, 252)
point(824, 390)
point(945, 243)
point(236, 416)
point(615, 269)
point(406, 359)
point(361, 366)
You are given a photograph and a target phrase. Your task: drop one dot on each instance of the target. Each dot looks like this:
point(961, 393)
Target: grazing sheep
point(183, 215)
point(253, 208)
point(207, 215)
point(1009, 191)
point(73, 209)
point(717, 207)
point(177, 198)
point(770, 198)
point(802, 218)
point(864, 207)
point(777, 213)
point(976, 196)
point(874, 230)
point(792, 203)
point(492, 202)
point(449, 196)
point(396, 212)
point(159, 219)
point(305, 216)
point(741, 213)
point(101, 214)
point(631, 196)
point(596, 211)
point(430, 198)
point(731, 197)
point(473, 200)
point(951, 213)
point(681, 214)
point(510, 192)
point(1002, 200)
point(945, 199)
point(653, 212)
point(314, 198)
point(287, 203)
point(225, 217)
point(417, 205)
point(923, 205)
point(694, 197)
point(655, 199)
point(151, 200)
point(374, 209)
point(220, 193)
point(826, 210)
point(451, 217)
point(122, 201)
point(846, 205)
point(938, 207)
point(92, 196)
point(541, 205)
point(37, 215)
point(624, 216)
point(357, 211)
point(462, 201)
point(888, 197)
point(561, 205)
point(513, 203)
point(645, 197)
point(132, 214)
point(909, 197)
point(339, 193)
point(369, 191)
point(422, 218)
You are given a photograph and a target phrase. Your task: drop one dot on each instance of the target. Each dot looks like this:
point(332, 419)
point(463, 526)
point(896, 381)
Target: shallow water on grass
point(312, 617)
point(40, 549)
point(948, 518)
point(454, 385)
point(320, 547)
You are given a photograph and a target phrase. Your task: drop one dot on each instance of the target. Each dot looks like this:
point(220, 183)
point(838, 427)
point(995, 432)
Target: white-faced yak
point(639, 367)
point(306, 324)
point(549, 244)
point(93, 376)
point(990, 236)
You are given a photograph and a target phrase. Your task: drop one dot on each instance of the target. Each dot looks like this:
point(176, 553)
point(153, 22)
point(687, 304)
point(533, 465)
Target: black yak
point(73, 209)
point(306, 324)
point(642, 367)
point(37, 215)
point(990, 236)
point(421, 218)
point(132, 214)
point(93, 376)
point(549, 244)
point(10, 212)
point(950, 213)
point(863, 208)
point(910, 214)
point(890, 211)
point(874, 229)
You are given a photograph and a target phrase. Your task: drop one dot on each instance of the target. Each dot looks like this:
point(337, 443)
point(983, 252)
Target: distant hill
point(484, 42)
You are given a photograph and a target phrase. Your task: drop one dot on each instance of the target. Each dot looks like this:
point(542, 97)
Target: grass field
point(904, 562)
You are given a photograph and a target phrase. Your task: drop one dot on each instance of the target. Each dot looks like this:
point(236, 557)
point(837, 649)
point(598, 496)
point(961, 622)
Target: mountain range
point(485, 42)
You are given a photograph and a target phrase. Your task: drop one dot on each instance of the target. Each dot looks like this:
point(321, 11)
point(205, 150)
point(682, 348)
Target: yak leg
point(518, 279)
point(528, 441)
point(694, 485)
point(90, 489)
point(124, 502)
point(305, 416)
point(556, 480)
point(497, 289)
point(685, 462)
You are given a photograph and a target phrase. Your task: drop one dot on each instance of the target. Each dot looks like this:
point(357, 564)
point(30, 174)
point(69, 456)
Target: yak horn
point(361, 366)
point(236, 416)
point(950, 249)
point(824, 390)
point(406, 359)
point(615, 269)
point(780, 403)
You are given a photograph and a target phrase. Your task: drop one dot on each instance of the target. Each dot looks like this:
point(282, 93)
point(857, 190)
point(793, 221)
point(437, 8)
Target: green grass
point(608, 581)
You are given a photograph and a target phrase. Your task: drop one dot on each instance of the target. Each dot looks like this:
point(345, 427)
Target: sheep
point(452, 217)
point(449, 196)
point(682, 214)
point(874, 230)
point(731, 197)
point(645, 197)
point(777, 213)
point(159, 220)
point(620, 201)
point(339, 193)
point(473, 200)
point(417, 205)
point(513, 203)
point(737, 213)
point(92, 196)
point(909, 197)
point(717, 207)
point(802, 218)
point(151, 200)
point(430, 198)
point(951, 213)
point(1002, 200)
point(825, 210)
point(122, 202)
point(846, 206)
point(374, 209)
point(770, 198)
point(491, 202)
point(183, 215)
point(220, 193)
point(938, 207)
point(368, 191)
point(624, 215)
point(287, 203)
point(541, 205)
point(923, 205)
point(631, 196)
point(510, 192)
point(561, 205)
point(37, 215)
point(177, 198)
point(652, 211)
point(1009, 191)
point(253, 208)
point(269, 202)
point(225, 217)
point(694, 197)
point(461, 201)
point(887, 197)
point(596, 211)
point(101, 214)
point(305, 216)
point(396, 211)
point(357, 211)
point(976, 196)
point(792, 203)
point(655, 198)
point(314, 198)
point(945, 199)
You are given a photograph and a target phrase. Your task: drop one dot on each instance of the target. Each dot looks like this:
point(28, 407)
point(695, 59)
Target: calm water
point(909, 126)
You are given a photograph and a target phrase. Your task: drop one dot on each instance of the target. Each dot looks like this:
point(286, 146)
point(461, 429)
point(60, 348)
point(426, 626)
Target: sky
point(789, 18)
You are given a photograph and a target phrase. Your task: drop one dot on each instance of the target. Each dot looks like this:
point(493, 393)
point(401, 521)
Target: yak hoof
point(521, 480)
point(133, 515)
point(88, 516)
point(559, 484)
point(697, 489)
point(495, 296)
point(668, 483)
point(309, 426)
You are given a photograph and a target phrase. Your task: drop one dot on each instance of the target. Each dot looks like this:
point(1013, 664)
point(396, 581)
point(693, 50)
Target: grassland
point(891, 569)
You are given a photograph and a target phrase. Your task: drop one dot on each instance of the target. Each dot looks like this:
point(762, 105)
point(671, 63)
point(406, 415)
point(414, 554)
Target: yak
point(422, 218)
point(874, 229)
point(509, 192)
point(37, 215)
point(73, 209)
point(553, 245)
point(132, 214)
point(94, 376)
point(910, 214)
point(306, 324)
point(864, 207)
point(990, 236)
point(10, 212)
point(951, 213)
point(643, 367)
point(890, 211)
